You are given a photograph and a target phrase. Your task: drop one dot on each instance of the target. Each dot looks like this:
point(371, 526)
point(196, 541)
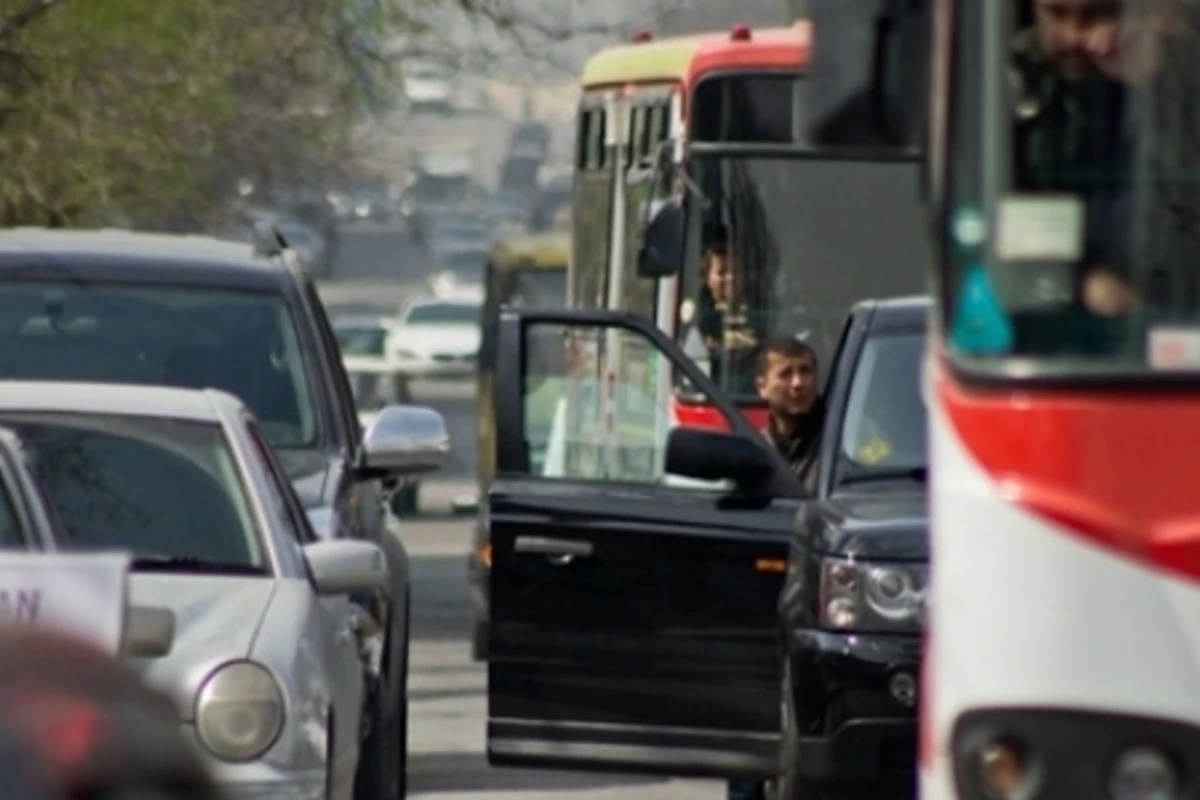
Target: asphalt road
point(447, 691)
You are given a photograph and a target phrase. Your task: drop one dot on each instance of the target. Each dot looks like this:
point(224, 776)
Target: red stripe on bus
point(698, 415)
point(1117, 470)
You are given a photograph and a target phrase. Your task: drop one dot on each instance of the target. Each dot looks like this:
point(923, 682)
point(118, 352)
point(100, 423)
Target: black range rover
point(853, 601)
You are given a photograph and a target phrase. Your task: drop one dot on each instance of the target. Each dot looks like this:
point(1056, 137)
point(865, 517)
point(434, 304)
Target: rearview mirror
point(149, 632)
point(715, 456)
point(346, 566)
point(404, 440)
point(660, 245)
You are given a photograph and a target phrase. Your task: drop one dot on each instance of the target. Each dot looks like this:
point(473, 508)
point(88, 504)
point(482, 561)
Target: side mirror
point(404, 440)
point(660, 249)
point(715, 456)
point(346, 566)
point(149, 632)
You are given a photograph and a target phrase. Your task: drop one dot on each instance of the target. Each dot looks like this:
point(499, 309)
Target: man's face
point(720, 277)
point(1067, 29)
point(789, 384)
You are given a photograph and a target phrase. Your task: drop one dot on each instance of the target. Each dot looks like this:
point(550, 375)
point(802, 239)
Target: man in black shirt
point(787, 379)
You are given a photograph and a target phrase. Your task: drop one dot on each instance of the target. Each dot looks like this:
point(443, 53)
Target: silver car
point(269, 660)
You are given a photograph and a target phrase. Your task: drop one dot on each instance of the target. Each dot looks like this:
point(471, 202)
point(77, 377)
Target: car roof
point(910, 311)
point(122, 255)
point(158, 402)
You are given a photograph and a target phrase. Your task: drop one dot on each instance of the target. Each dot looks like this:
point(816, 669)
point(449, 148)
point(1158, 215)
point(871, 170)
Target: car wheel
point(788, 785)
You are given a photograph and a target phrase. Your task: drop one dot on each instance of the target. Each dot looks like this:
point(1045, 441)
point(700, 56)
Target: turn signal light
point(485, 555)
point(1003, 769)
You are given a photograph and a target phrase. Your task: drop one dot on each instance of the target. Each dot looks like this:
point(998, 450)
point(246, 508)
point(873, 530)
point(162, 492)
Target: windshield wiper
point(155, 563)
point(919, 474)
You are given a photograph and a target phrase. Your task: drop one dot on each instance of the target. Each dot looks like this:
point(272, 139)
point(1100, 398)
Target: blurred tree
point(155, 111)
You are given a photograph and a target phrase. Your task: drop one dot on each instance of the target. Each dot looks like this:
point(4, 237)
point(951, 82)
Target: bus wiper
point(919, 474)
point(161, 563)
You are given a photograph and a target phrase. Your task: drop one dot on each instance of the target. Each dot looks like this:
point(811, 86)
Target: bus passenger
point(724, 320)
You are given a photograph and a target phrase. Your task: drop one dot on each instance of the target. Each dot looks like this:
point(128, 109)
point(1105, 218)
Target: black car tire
point(789, 786)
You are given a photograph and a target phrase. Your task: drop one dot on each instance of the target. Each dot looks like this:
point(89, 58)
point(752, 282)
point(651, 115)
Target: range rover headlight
point(239, 711)
point(864, 596)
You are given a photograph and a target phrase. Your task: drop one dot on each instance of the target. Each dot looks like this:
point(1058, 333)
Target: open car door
point(634, 623)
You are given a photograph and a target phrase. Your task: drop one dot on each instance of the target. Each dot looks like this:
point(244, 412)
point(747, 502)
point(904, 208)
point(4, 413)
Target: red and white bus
point(1063, 652)
point(721, 126)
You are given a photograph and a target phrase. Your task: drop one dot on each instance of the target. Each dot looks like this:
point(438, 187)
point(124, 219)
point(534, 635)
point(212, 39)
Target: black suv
point(119, 307)
point(672, 600)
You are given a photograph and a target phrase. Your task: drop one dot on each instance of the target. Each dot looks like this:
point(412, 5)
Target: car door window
point(597, 404)
point(279, 491)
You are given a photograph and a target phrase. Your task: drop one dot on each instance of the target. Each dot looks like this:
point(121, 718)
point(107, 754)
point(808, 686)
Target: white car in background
point(437, 338)
point(428, 84)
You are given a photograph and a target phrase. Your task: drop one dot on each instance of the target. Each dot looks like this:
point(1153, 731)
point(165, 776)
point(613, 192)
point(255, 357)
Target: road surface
point(447, 694)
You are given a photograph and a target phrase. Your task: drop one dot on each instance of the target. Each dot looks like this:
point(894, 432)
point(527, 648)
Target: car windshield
point(780, 251)
point(158, 487)
point(884, 427)
point(361, 340)
point(246, 343)
point(443, 314)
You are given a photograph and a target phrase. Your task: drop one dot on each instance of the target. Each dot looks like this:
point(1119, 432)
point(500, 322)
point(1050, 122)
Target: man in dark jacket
point(787, 379)
point(1068, 115)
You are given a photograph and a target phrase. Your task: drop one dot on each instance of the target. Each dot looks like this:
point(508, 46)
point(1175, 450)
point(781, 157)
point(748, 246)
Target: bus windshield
point(1074, 248)
point(785, 246)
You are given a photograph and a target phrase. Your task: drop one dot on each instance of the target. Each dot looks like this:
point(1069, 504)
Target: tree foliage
point(157, 107)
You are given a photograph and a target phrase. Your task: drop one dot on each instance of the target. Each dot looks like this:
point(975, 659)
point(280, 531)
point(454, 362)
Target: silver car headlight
point(239, 711)
point(865, 596)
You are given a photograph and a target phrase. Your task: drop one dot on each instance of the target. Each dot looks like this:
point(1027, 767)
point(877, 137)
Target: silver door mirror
point(403, 441)
point(345, 566)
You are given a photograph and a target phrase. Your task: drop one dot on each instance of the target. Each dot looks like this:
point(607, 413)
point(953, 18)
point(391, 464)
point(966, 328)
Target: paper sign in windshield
point(84, 595)
point(1174, 348)
point(1039, 228)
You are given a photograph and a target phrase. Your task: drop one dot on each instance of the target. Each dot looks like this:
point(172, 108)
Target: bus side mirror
point(660, 246)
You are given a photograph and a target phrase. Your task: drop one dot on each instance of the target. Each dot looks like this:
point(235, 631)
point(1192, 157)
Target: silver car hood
point(217, 618)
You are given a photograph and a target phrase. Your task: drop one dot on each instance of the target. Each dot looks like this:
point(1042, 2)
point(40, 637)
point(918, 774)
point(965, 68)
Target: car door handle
point(565, 549)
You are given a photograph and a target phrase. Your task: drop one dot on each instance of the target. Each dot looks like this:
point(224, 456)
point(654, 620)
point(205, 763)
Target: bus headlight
point(239, 712)
point(1143, 773)
point(867, 596)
